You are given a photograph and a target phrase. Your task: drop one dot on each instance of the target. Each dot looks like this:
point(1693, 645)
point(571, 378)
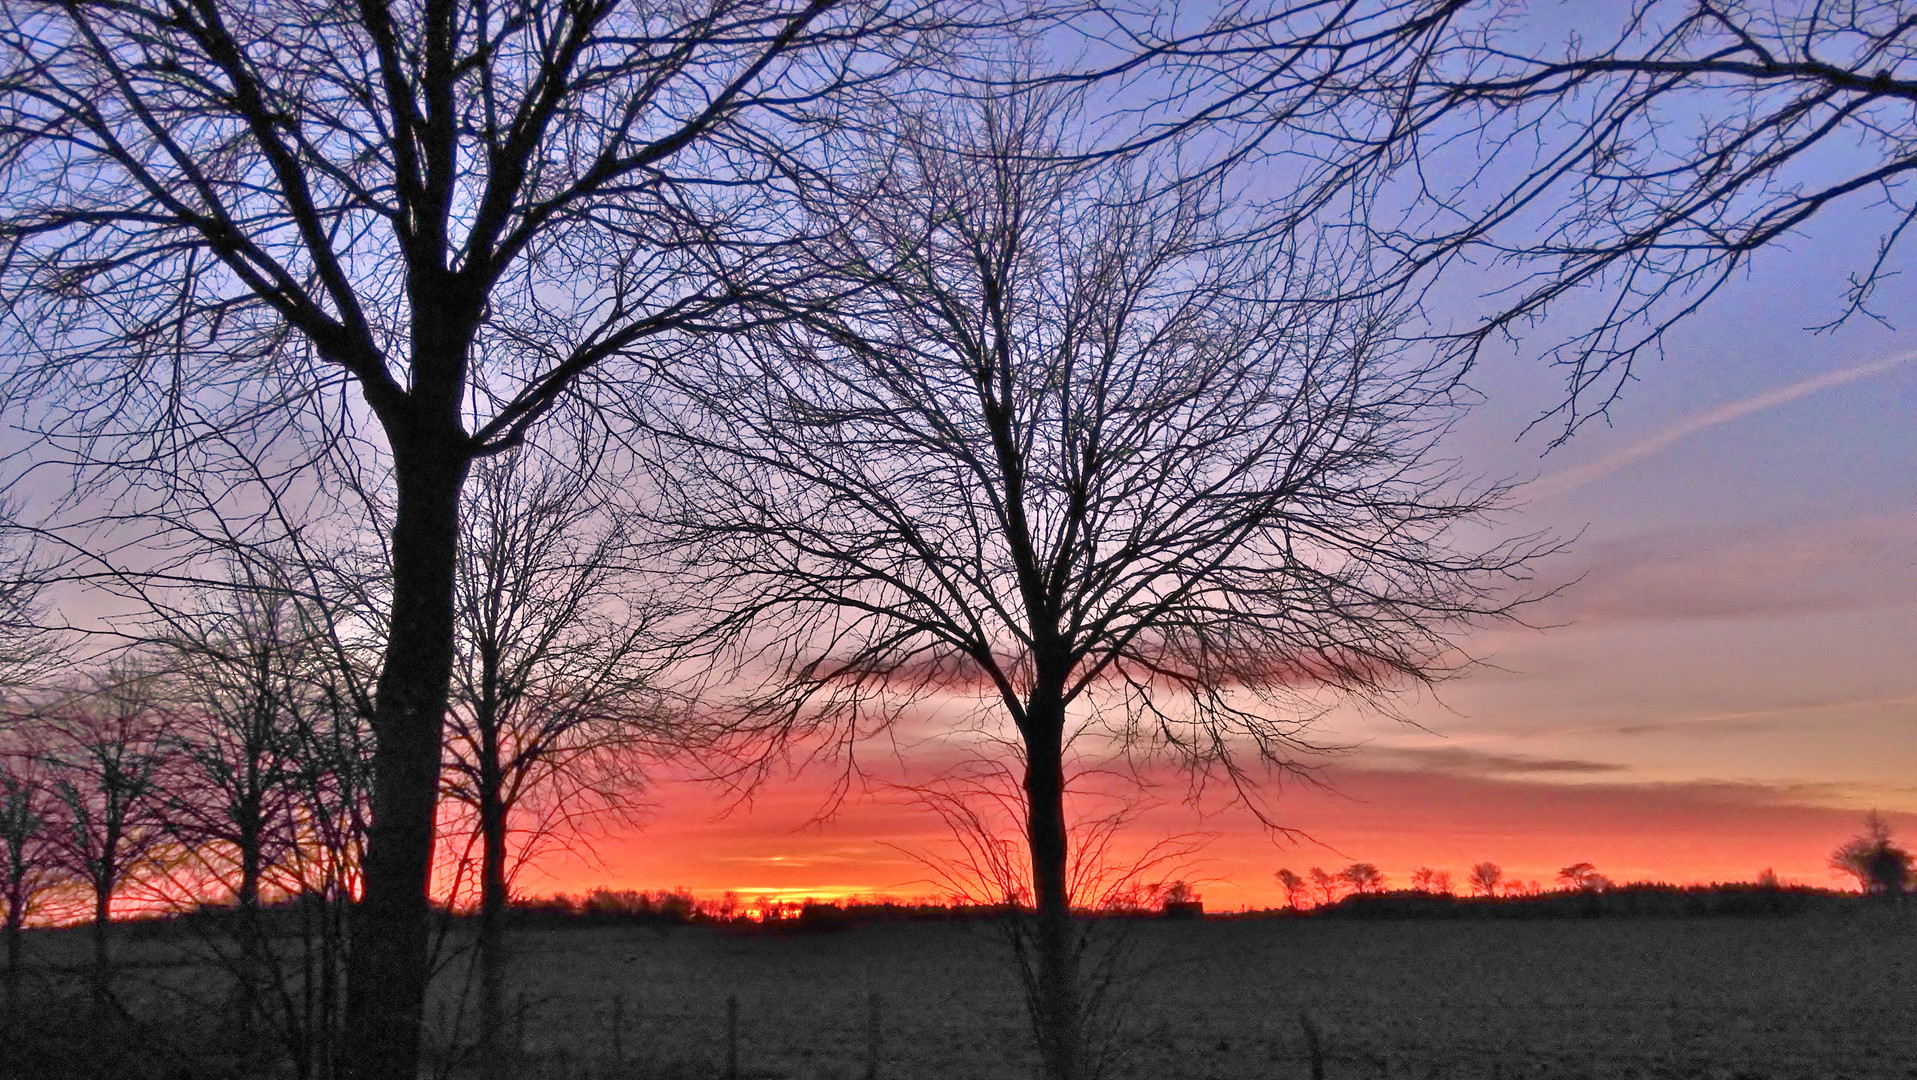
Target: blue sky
point(1724, 685)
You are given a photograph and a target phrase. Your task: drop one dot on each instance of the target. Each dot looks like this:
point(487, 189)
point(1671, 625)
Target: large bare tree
point(1651, 158)
point(426, 222)
point(1085, 451)
point(1637, 156)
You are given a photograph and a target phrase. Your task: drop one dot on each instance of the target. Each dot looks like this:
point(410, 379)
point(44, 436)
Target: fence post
point(732, 1037)
point(873, 1034)
point(519, 1027)
point(618, 1031)
point(1313, 1050)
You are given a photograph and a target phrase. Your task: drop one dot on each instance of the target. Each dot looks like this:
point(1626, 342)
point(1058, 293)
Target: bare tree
point(263, 676)
point(1652, 156)
point(260, 622)
point(1326, 885)
point(243, 683)
point(555, 693)
point(431, 221)
point(1296, 890)
point(1083, 454)
point(1364, 878)
point(1425, 879)
point(32, 864)
point(1484, 879)
point(1583, 877)
point(1646, 153)
point(105, 747)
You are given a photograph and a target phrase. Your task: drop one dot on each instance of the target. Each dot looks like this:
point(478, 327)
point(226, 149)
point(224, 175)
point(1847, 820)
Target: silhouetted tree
point(1880, 867)
point(1484, 879)
point(1652, 155)
point(263, 674)
point(263, 644)
point(31, 861)
point(29, 653)
point(554, 691)
point(1583, 877)
point(1297, 891)
point(1363, 878)
point(218, 220)
point(241, 676)
point(1644, 152)
point(1425, 879)
point(1082, 445)
point(105, 747)
point(1326, 885)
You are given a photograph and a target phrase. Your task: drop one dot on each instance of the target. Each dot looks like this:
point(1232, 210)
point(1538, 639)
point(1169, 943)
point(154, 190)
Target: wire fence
point(731, 1040)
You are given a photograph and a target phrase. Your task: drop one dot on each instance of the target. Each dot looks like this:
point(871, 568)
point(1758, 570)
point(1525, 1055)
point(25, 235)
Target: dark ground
point(1827, 994)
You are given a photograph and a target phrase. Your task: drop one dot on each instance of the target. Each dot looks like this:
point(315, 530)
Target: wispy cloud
point(1574, 478)
point(1765, 570)
point(1801, 715)
point(1463, 761)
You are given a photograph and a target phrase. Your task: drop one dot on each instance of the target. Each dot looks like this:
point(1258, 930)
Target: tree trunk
point(251, 972)
point(1057, 1022)
point(387, 965)
point(493, 958)
point(249, 890)
point(102, 955)
point(16, 917)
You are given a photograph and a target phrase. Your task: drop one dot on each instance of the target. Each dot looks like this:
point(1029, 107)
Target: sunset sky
point(1724, 684)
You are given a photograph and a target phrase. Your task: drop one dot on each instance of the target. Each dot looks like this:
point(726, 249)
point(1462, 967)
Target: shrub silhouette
point(1880, 867)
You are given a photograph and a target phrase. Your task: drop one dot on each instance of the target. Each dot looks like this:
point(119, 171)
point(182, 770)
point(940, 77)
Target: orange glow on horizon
point(882, 846)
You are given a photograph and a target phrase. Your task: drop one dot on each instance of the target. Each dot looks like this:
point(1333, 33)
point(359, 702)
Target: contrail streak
point(1572, 479)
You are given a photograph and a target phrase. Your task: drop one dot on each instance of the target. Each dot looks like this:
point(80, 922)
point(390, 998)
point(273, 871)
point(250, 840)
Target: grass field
point(1826, 995)
point(1822, 996)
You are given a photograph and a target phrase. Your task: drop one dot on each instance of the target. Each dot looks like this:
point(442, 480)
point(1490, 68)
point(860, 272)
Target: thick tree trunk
point(16, 918)
point(102, 948)
point(1058, 1023)
point(249, 890)
point(387, 965)
point(493, 957)
point(251, 972)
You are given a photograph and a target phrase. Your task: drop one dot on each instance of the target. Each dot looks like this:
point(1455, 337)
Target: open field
point(1826, 995)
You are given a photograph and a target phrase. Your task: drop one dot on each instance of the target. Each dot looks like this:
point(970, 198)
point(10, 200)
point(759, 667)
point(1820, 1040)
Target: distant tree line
point(219, 757)
point(1877, 864)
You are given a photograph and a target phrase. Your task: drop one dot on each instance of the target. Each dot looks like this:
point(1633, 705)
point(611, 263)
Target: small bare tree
point(1325, 885)
point(242, 684)
point(1426, 880)
point(32, 863)
point(1297, 892)
point(105, 747)
point(1583, 877)
point(1082, 451)
point(1364, 878)
point(1484, 879)
point(260, 629)
point(263, 675)
point(554, 686)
